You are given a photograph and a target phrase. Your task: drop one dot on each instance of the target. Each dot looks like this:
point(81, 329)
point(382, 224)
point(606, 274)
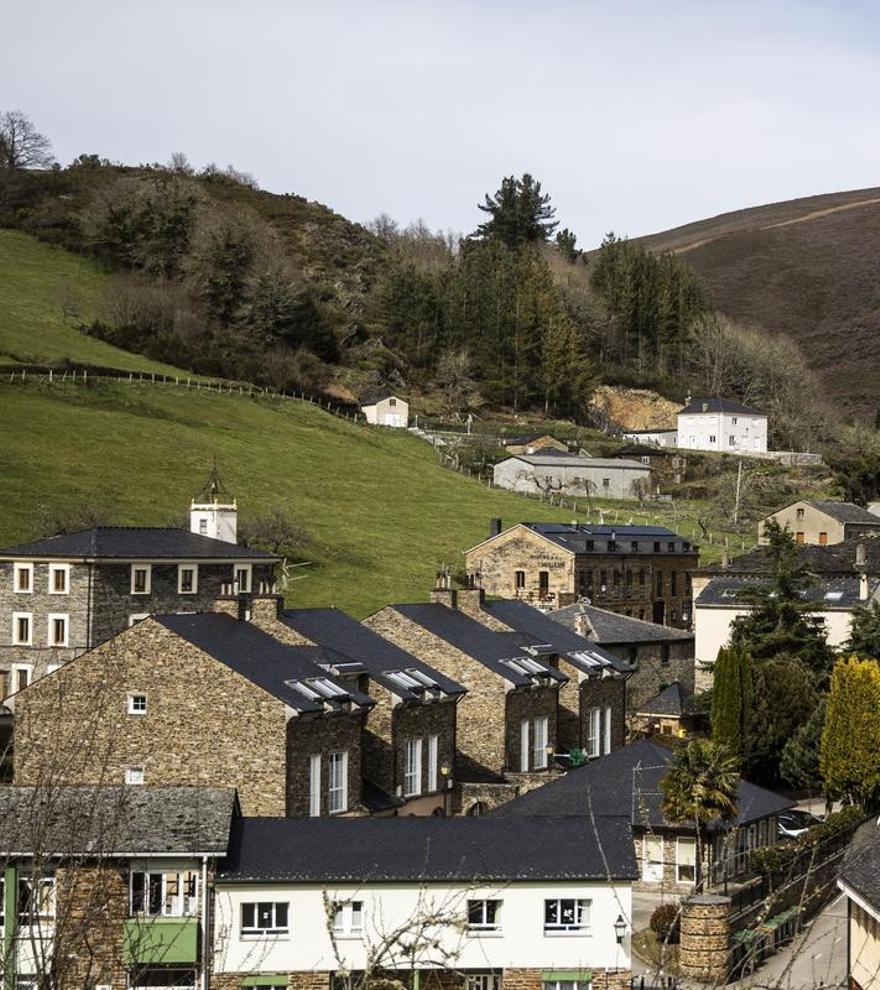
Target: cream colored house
point(860, 882)
point(822, 523)
point(385, 409)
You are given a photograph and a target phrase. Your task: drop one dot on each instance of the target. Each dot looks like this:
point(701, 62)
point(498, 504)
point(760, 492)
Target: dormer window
point(23, 578)
point(140, 579)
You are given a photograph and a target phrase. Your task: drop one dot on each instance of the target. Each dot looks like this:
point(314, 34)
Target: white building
point(723, 426)
point(655, 438)
point(385, 409)
point(482, 897)
point(570, 474)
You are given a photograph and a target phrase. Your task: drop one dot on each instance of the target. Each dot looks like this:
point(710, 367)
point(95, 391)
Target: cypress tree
point(732, 696)
point(849, 758)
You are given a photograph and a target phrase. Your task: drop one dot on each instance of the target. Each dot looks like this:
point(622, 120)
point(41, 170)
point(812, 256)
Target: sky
point(635, 116)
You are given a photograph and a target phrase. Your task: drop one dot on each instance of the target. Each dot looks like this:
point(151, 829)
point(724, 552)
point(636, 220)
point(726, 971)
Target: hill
point(807, 268)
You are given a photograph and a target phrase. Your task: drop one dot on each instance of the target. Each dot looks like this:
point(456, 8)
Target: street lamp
point(619, 929)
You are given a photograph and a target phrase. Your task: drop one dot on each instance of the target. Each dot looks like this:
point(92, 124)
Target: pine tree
point(849, 758)
point(519, 213)
point(864, 631)
point(732, 700)
point(799, 764)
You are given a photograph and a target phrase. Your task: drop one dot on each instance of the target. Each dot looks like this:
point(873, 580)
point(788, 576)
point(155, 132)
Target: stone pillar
point(704, 950)
point(265, 608)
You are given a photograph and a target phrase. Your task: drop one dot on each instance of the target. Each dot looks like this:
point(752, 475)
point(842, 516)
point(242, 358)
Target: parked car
point(793, 823)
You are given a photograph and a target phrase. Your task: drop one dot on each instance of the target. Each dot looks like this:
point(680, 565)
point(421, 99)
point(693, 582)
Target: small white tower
point(213, 511)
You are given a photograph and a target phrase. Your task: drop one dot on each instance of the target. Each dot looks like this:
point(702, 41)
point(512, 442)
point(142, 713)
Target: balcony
point(161, 940)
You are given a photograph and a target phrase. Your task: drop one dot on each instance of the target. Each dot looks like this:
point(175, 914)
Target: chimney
point(863, 587)
point(265, 608)
point(470, 601)
point(494, 526)
point(582, 625)
point(861, 557)
point(443, 593)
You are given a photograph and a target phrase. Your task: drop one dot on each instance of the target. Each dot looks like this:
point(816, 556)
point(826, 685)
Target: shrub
point(664, 922)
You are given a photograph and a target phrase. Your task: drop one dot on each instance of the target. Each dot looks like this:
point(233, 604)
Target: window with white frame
point(242, 578)
point(203, 527)
point(685, 859)
point(348, 918)
point(36, 899)
point(594, 719)
point(141, 579)
point(57, 627)
point(482, 981)
point(135, 775)
point(433, 761)
point(566, 984)
point(137, 704)
point(22, 674)
point(265, 918)
point(412, 768)
point(337, 794)
point(59, 579)
point(23, 578)
point(22, 628)
point(607, 732)
point(163, 893)
point(566, 914)
point(315, 785)
point(540, 734)
point(187, 579)
point(484, 915)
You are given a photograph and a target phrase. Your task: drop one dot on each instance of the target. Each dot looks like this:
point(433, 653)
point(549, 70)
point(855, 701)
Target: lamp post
point(445, 773)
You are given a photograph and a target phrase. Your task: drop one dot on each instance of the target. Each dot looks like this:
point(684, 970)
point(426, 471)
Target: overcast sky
point(636, 116)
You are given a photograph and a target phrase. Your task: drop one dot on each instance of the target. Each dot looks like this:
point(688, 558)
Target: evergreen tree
point(519, 213)
point(566, 241)
point(864, 631)
point(732, 700)
point(799, 764)
point(849, 757)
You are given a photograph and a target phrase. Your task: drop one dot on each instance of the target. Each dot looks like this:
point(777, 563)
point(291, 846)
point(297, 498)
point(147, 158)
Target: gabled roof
point(580, 652)
point(527, 439)
point(714, 404)
point(500, 652)
point(861, 864)
point(828, 593)
point(846, 512)
point(559, 458)
point(379, 657)
point(467, 850)
point(613, 629)
point(286, 672)
point(135, 543)
point(627, 783)
point(107, 821)
point(838, 558)
point(373, 395)
point(643, 450)
point(668, 702)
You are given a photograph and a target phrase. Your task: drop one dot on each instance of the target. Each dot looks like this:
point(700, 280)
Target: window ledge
point(577, 933)
point(480, 933)
point(257, 937)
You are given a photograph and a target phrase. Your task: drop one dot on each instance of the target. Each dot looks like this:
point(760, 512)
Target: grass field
point(383, 514)
point(38, 285)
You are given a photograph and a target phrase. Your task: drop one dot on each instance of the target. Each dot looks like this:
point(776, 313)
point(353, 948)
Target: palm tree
point(700, 788)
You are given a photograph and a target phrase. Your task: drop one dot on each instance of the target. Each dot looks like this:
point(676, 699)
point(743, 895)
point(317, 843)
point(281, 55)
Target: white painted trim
point(30, 637)
point(608, 730)
point(524, 746)
point(137, 711)
point(17, 568)
point(433, 750)
point(16, 667)
point(137, 617)
point(131, 776)
point(866, 906)
point(343, 754)
point(250, 578)
point(51, 618)
point(59, 568)
point(315, 785)
point(149, 583)
point(412, 771)
point(195, 586)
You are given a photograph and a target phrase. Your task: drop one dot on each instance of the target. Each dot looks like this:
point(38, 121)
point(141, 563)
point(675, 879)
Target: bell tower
point(213, 511)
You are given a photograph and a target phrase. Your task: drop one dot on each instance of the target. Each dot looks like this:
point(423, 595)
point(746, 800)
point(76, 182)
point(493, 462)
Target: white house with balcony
point(722, 425)
point(471, 900)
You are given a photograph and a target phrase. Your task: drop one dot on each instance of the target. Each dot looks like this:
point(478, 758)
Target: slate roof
point(365, 850)
point(373, 395)
point(493, 649)
point(714, 404)
point(135, 542)
point(556, 458)
point(828, 593)
point(273, 666)
point(643, 450)
point(583, 654)
point(379, 656)
point(116, 820)
point(576, 537)
point(527, 439)
point(838, 558)
point(861, 864)
point(668, 702)
point(627, 783)
point(846, 512)
point(613, 629)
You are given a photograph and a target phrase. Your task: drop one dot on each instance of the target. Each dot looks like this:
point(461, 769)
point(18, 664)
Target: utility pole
point(739, 474)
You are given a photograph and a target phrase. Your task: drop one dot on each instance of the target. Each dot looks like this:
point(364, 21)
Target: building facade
point(570, 474)
point(859, 881)
point(640, 571)
point(822, 523)
point(721, 425)
point(385, 410)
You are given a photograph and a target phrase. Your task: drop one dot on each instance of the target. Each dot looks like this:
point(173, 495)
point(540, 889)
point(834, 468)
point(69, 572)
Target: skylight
point(833, 596)
point(421, 677)
point(404, 679)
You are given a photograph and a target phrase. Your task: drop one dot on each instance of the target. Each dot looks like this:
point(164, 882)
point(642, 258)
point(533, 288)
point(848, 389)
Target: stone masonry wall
point(418, 721)
point(325, 733)
point(308, 980)
point(529, 703)
point(496, 562)
point(603, 693)
point(653, 673)
point(205, 725)
point(530, 979)
point(704, 949)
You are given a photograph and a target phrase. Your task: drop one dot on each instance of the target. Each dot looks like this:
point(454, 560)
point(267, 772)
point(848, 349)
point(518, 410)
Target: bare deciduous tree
point(21, 144)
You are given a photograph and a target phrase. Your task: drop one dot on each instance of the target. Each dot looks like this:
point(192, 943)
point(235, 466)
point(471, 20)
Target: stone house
point(721, 425)
point(626, 783)
point(641, 571)
point(860, 882)
point(64, 595)
point(198, 700)
point(551, 471)
point(658, 655)
point(409, 732)
point(109, 886)
point(532, 443)
point(822, 523)
point(663, 714)
point(477, 904)
point(382, 408)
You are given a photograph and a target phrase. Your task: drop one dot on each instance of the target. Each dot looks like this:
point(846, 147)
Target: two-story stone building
point(641, 571)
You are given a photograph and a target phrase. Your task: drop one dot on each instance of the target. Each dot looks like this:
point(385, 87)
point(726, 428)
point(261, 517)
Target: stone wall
point(303, 980)
point(418, 721)
point(656, 669)
point(322, 733)
point(529, 703)
point(530, 979)
point(704, 950)
point(604, 692)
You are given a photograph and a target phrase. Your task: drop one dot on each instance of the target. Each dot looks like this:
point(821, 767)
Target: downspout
point(10, 917)
point(89, 609)
point(203, 924)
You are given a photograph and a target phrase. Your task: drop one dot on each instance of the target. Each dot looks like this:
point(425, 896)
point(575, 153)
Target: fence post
point(50, 376)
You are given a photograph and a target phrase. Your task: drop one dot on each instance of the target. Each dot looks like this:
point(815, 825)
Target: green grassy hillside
point(45, 292)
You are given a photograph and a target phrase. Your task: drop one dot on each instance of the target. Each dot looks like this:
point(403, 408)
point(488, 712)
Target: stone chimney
point(582, 625)
point(443, 593)
point(494, 526)
point(470, 600)
point(265, 608)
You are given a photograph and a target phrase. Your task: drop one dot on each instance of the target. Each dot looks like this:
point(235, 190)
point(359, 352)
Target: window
point(731, 440)
point(540, 728)
point(634, 546)
point(670, 546)
point(484, 916)
point(659, 582)
point(392, 402)
point(673, 582)
point(315, 785)
point(243, 578)
point(566, 984)
point(137, 704)
point(412, 768)
point(57, 628)
point(134, 775)
point(800, 513)
point(169, 894)
point(799, 537)
point(519, 580)
point(21, 676)
point(482, 981)
point(203, 527)
point(823, 539)
point(543, 582)
point(612, 546)
point(433, 761)
point(711, 438)
point(36, 899)
point(338, 789)
point(59, 579)
point(265, 918)
point(734, 420)
point(606, 483)
point(524, 746)
point(607, 730)
point(594, 718)
point(641, 579)
point(187, 579)
point(140, 579)
point(566, 915)
point(348, 918)
point(22, 627)
point(23, 578)
point(603, 580)
point(664, 653)
point(685, 859)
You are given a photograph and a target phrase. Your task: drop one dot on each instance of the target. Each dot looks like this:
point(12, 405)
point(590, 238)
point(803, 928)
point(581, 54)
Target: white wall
point(521, 942)
point(733, 432)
